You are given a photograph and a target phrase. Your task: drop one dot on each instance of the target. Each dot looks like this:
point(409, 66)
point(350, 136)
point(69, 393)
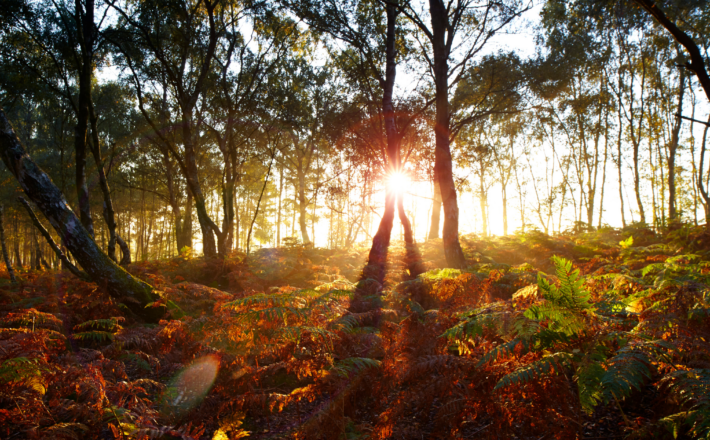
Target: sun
point(398, 182)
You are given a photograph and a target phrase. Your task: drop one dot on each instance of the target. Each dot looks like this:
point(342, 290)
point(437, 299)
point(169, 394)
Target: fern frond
point(106, 325)
point(589, 377)
point(354, 364)
point(548, 364)
point(505, 349)
point(20, 369)
point(94, 336)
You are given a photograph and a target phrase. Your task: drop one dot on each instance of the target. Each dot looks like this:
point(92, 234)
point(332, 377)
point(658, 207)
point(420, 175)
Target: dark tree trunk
point(125, 251)
point(47, 197)
point(381, 240)
point(443, 168)
point(82, 122)
point(5, 254)
point(108, 212)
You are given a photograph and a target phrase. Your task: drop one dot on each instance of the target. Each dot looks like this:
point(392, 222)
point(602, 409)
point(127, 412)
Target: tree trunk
point(672, 149)
point(435, 213)
point(5, 254)
point(108, 212)
point(47, 197)
point(82, 122)
point(278, 218)
point(381, 240)
point(443, 168)
point(302, 205)
point(406, 224)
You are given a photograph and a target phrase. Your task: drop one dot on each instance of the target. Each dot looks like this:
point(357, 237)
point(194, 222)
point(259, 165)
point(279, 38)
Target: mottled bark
point(5, 254)
point(51, 202)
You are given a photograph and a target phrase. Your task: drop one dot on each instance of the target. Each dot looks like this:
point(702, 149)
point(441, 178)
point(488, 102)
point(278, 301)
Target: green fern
point(105, 325)
point(548, 364)
point(348, 366)
point(566, 308)
point(692, 387)
point(19, 369)
point(95, 336)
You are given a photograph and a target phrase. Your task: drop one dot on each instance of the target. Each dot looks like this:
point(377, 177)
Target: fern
point(548, 364)
point(692, 387)
point(106, 325)
point(567, 308)
point(96, 336)
point(348, 366)
point(20, 369)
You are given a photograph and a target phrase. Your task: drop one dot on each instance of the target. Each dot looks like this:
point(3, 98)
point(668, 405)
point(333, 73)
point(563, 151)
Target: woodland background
point(216, 254)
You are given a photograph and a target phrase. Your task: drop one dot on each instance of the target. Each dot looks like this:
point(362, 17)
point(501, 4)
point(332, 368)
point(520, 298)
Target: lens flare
point(191, 385)
point(398, 182)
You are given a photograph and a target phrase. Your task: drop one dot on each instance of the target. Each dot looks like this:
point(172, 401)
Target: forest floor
point(596, 335)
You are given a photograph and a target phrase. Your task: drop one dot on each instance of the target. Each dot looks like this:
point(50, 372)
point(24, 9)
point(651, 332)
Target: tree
point(184, 63)
point(51, 202)
point(450, 22)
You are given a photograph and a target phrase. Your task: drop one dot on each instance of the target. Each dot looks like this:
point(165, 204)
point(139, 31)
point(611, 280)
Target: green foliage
point(566, 308)
point(555, 326)
point(625, 244)
point(690, 387)
point(441, 274)
point(349, 366)
point(20, 369)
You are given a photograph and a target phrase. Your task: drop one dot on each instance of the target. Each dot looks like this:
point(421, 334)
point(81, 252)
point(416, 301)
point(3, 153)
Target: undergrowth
point(600, 334)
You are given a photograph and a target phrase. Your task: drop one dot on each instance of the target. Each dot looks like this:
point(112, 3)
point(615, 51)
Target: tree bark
point(302, 205)
point(85, 25)
point(47, 197)
point(5, 254)
point(406, 224)
point(381, 240)
point(108, 212)
point(443, 168)
point(435, 213)
point(278, 219)
point(672, 150)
